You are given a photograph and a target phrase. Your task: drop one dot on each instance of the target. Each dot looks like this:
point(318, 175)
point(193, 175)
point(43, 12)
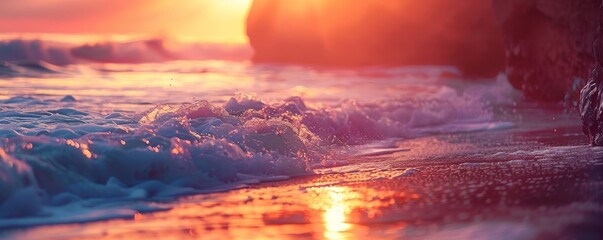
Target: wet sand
point(538, 180)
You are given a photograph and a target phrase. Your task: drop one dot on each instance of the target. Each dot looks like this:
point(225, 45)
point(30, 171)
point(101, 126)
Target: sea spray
point(62, 154)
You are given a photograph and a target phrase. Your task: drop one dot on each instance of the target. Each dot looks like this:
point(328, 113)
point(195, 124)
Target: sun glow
point(215, 21)
point(335, 216)
point(221, 21)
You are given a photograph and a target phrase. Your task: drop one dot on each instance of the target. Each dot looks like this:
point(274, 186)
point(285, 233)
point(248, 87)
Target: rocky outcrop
point(549, 45)
point(547, 42)
point(379, 32)
point(591, 97)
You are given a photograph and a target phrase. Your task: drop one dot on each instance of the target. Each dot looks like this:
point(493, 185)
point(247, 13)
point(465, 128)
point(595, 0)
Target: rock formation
point(591, 101)
point(378, 32)
point(549, 45)
point(548, 42)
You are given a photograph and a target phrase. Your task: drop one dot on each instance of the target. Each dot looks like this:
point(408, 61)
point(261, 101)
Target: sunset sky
point(213, 21)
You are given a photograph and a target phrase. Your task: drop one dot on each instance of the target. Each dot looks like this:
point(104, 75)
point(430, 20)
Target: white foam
point(407, 173)
point(70, 151)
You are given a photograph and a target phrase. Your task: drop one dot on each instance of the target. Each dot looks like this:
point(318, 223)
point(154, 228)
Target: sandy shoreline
point(522, 183)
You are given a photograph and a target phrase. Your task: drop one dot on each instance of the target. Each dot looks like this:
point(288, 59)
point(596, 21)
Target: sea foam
point(57, 155)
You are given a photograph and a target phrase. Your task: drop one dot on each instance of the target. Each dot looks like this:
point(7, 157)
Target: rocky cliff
point(591, 101)
point(549, 45)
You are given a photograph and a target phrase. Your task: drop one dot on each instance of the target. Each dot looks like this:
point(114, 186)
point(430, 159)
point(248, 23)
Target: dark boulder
point(379, 32)
point(591, 98)
point(549, 45)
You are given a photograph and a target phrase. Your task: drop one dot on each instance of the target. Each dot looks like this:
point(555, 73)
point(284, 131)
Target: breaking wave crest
point(136, 51)
point(59, 156)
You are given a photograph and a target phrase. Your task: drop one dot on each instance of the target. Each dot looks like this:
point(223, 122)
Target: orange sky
point(216, 21)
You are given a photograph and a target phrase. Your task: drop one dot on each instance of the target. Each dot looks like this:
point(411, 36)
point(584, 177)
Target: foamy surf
point(63, 152)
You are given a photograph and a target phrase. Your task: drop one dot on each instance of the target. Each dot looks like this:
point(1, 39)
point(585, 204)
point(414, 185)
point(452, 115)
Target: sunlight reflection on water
point(337, 204)
point(336, 214)
point(284, 212)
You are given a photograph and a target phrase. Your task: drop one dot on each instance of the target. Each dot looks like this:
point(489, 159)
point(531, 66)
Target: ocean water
point(166, 129)
point(88, 142)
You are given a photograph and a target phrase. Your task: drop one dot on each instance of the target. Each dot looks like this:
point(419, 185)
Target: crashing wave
point(143, 51)
point(172, 150)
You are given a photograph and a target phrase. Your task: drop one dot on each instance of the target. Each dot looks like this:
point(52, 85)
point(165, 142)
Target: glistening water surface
point(301, 153)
